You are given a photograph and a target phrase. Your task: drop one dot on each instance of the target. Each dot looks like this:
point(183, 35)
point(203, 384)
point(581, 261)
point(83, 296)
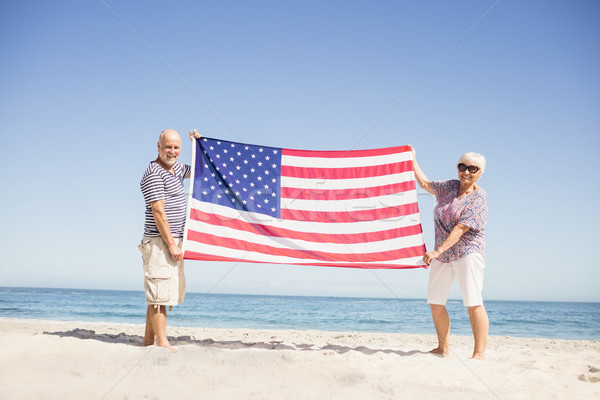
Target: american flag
point(330, 208)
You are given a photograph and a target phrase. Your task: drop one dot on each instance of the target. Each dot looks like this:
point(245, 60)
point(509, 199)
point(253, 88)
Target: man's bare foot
point(164, 343)
point(444, 352)
point(478, 356)
point(147, 343)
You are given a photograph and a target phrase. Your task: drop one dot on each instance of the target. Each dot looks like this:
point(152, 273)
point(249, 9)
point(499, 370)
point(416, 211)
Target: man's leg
point(441, 320)
point(158, 318)
point(480, 324)
point(149, 335)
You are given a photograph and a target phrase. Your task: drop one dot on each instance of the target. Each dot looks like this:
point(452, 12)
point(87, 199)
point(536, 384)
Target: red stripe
point(346, 194)
point(243, 245)
point(346, 153)
point(192, 255)
point(346, 173)
point(265, 230)
point(350, 216)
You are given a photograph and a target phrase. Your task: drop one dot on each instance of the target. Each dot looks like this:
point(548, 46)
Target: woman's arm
point(455, 234)
point(420, 177)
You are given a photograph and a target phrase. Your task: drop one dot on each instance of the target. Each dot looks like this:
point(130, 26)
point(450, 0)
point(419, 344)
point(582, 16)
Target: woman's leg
point(441, 320)
point(480, 324)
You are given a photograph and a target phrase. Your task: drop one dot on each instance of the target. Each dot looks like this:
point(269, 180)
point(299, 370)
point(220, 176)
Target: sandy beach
point(82, 360)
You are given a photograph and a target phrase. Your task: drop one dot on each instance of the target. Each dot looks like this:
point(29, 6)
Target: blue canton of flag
point(240, 176)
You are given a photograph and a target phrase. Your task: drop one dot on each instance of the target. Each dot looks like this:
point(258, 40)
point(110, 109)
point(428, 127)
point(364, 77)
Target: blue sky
point(88, 85)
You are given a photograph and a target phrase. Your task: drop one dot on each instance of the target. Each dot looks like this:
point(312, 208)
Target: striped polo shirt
point(159, 184)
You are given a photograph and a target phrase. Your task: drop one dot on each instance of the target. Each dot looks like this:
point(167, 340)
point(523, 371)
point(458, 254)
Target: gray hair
point(166, 131)
point(473, 159)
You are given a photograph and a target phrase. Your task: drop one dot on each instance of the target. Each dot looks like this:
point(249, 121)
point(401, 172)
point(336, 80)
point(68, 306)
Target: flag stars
point(242, 178)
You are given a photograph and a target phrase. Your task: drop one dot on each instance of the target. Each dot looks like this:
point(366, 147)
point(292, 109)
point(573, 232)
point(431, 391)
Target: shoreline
point(68, 360)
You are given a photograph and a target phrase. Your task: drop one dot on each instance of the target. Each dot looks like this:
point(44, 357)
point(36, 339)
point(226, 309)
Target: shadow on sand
point(136, 340)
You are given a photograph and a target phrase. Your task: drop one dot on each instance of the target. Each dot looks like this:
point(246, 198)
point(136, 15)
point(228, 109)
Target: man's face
point(168, 149)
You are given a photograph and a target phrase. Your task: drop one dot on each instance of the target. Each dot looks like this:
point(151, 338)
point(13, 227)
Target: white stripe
point(345, 162)
point(248, 256)
point(307, 226)
point(351, 205)
point(353, 183)
point(298, 244)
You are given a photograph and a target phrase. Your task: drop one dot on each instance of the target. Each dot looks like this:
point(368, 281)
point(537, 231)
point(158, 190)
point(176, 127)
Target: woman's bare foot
point(444, 352)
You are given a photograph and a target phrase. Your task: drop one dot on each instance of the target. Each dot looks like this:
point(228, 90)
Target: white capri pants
point(469, 272)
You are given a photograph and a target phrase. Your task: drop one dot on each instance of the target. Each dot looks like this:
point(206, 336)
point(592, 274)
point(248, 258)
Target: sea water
point(559, 320)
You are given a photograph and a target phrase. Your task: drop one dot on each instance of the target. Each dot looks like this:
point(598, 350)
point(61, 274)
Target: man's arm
point(193, 135)
point(162, 223)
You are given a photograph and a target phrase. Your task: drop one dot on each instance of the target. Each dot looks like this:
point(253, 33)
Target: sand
point(83, 360)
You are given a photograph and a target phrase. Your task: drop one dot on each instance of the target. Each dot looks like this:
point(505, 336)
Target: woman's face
point(471, 172)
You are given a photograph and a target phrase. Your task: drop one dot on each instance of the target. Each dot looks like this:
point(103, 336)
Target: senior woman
point(460, 216)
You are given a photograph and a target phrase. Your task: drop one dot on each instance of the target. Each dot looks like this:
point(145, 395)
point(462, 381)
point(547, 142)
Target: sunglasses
point(472, 168)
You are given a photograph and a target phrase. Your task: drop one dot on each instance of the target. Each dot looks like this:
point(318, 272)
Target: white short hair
point(473, 159)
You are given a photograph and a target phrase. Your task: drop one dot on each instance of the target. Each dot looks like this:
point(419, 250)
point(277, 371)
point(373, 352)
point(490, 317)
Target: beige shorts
point(469, 273)
point(164, 281)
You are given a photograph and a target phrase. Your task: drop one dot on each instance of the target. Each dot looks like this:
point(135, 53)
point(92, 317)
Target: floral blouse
point(470, 210)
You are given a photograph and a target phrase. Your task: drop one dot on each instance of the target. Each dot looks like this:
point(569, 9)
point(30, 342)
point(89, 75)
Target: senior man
point(164, 194)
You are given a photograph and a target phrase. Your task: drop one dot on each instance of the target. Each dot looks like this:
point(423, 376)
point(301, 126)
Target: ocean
point(531, 319)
